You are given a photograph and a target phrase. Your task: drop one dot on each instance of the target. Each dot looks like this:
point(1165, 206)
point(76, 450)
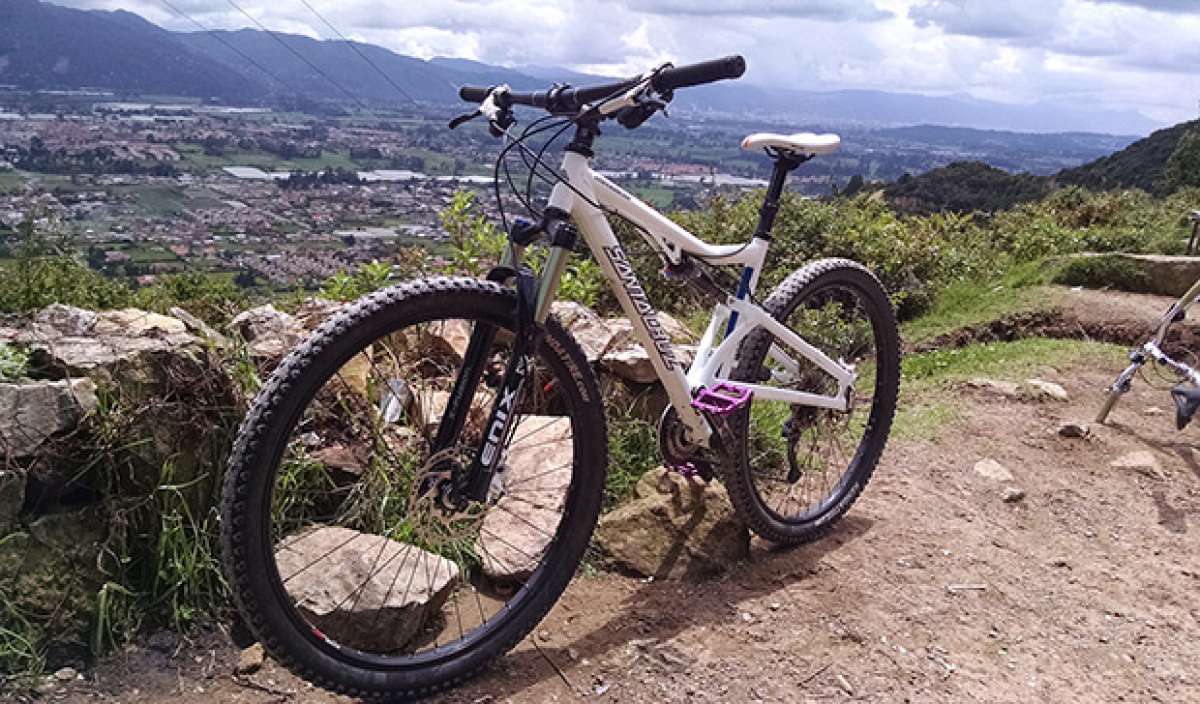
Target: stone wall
point(114, 410)
point(122, 421)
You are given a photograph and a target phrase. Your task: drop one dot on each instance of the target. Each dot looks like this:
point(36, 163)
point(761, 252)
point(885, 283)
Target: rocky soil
point(1023, 554)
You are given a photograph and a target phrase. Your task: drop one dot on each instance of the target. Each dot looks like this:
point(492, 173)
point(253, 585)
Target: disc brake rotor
point(435, 516)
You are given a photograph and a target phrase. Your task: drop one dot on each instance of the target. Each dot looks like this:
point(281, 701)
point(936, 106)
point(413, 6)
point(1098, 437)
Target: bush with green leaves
point(476, 245)
point(369, 277)
point(1104, 271)
point(43, 271)
point(210, 297)
point(912, 255)
point(13, 362)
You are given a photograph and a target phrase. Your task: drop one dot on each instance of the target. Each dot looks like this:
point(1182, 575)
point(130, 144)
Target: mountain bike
point(416, 484)
point(1185, 394)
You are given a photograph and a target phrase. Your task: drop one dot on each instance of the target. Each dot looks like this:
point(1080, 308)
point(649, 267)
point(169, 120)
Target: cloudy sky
point(1126, 54)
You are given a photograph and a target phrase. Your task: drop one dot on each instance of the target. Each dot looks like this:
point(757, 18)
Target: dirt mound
point(1084, 314)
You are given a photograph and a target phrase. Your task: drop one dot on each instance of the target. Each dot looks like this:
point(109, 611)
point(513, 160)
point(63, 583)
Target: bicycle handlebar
point(573, 99)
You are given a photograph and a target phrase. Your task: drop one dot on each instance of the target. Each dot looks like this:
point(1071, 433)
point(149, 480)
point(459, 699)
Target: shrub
point(210, 297)
point(477, 245)
point(44, 272)
point(347, 287)
point(1105, 271)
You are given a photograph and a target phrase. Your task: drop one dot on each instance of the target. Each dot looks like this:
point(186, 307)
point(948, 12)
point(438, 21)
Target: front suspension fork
point(1121, 385)
point(534, 297)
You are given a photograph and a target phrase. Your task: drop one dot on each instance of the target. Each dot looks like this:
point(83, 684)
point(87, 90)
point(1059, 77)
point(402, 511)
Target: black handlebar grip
point(472, 94)
point(701, 73)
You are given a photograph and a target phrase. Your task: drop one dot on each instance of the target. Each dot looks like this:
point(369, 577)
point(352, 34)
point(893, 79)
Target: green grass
point(632, 451)
point(658, 196)
point(924, 409)
point(1003, 359)
point(969, 303)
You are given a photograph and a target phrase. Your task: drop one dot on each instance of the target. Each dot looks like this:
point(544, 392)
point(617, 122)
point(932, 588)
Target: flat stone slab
point(1142, 462)
point(537, 474)
point(364, 590)
point(992, 469)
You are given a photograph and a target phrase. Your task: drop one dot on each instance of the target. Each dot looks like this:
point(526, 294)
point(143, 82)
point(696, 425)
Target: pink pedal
point(687, 469)
point(723, 399)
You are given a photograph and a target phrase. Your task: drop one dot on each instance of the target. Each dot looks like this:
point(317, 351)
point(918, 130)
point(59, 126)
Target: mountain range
point(45, 46)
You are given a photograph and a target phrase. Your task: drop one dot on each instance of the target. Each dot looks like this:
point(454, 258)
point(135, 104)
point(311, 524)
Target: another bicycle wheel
point(345, 554)
point(797, 469)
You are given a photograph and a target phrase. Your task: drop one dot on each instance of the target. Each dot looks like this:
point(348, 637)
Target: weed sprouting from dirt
point(632, 451)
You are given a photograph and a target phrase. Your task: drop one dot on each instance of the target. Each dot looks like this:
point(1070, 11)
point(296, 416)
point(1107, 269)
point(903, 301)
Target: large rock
point(31, 413)
point(198, 327)
point(114, 345)
point(343, 582)
point(54, 571)
point(450, 338)
point(269, 333)
point(596, 335)
point(314, 311)
point(631, 364)
point(428, 405)
point(167, 396)
point(536, 475)
point(676, 527)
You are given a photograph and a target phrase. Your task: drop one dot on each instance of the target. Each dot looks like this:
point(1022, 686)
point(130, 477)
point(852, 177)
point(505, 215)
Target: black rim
point(828, 324)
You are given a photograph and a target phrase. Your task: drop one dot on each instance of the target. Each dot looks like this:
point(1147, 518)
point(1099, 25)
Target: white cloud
point(1125, 54)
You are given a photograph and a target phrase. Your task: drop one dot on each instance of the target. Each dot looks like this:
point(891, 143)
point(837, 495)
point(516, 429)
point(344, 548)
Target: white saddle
point(800, 143)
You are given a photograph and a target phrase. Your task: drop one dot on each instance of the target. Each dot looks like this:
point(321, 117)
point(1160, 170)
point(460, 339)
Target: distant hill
point(963, 187)
point(974, 186)
point(342, 74)
point(45, 46)
point(1140, 165)
point(1057, 143)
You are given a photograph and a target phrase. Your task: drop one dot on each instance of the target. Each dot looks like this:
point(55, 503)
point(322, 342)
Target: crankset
point(677, 452)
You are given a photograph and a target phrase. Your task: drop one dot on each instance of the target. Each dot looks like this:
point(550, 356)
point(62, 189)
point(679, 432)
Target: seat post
point(784, 164)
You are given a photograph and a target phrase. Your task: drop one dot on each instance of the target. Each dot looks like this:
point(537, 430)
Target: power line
point(298, 55)
point(222, 40)
point(364, 57)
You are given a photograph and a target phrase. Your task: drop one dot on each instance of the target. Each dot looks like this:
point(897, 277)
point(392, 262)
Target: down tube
point(646, 326)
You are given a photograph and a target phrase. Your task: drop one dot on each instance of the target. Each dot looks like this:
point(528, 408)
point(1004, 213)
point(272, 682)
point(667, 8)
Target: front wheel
point(796, 469)
point(349, 549)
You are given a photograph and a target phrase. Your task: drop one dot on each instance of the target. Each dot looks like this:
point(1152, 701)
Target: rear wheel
point(348, 554)
point(798, 469)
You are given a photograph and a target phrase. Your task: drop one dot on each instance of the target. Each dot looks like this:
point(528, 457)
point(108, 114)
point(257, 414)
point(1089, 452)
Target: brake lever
point(643, 108)
point(465, 117)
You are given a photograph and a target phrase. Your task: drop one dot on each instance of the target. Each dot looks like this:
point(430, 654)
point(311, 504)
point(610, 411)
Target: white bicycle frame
point(718, 348)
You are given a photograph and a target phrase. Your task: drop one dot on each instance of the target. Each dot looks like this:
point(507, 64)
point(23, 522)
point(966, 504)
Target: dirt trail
point(933, 589)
